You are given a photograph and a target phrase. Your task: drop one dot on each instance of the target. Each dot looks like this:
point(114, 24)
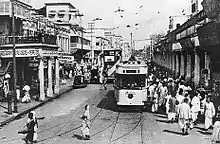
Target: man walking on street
point(184, 116)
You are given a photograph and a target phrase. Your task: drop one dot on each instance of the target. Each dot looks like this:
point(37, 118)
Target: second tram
point(130, 83)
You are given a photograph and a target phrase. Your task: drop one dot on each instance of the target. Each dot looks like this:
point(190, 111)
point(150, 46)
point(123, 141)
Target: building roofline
point(60, 3)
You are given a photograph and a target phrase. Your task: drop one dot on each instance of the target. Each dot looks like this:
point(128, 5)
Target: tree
point(157, 37)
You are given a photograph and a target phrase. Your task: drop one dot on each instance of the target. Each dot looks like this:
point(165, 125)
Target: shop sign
point(20, 53)
point(50, 53)
point(211, 8)
point(66, 58)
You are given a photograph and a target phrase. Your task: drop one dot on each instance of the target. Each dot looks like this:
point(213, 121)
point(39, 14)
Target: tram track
point(130, 131)
point(68, 121)
point(58, 134)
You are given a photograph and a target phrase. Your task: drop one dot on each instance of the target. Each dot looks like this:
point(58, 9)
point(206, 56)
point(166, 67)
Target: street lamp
point(131, 34)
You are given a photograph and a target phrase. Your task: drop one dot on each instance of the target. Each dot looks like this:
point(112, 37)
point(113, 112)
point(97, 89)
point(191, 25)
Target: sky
point(152, 16)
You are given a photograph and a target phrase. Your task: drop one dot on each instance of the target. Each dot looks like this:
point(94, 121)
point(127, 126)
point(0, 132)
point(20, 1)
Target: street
point(59, 122)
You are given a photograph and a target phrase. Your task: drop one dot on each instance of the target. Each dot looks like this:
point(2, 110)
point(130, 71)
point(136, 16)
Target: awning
point(176, 47)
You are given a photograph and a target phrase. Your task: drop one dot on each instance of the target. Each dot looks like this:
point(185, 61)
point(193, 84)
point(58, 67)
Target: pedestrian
point(26, 98)
point(172, 109)
point(209, 110)
point(30, 129)
point(167, 103)
point(35, 127)
point(215, 138)
point(162, 95)
point(195, 107)
point(154, 107)
point(85, 123)
point(104, 82)
point(184, 116)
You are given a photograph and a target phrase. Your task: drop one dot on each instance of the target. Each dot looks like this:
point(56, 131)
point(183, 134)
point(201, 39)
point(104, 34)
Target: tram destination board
point(130, 71)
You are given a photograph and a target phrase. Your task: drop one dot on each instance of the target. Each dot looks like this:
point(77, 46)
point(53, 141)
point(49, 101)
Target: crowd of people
point(181, 103)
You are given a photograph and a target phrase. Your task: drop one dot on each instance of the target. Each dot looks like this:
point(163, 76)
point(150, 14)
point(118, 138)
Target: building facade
point(191, 50)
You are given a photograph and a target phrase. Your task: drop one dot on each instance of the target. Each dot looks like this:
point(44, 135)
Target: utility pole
point(131, 45)
point(14, 59)
point(91, 26)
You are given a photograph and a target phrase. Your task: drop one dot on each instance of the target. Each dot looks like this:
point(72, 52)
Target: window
point(130, 81)
point(193, 8)
point(74, 39)
point(52, 14)
point(61, 13)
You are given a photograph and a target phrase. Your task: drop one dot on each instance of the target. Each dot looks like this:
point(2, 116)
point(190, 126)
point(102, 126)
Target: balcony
point(45, 39)
point(76, 46)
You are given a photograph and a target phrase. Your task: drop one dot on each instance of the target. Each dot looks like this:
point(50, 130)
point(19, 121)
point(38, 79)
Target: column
point(177, 65)
point(41, 79)
point(207, 63)
point(173, 62)
point(182, 67)
point(197, 70)
point(188, 66)
point(49, 89)
point(57, 76)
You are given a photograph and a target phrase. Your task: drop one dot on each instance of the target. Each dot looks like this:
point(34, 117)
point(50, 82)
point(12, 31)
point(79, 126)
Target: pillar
point(57, 76)
point(207, 64)
point(182, 65)
point(188, 66)
point(41, 79)
point(177, 65)
point(49, 88)
point(173, 62)
point(197, 70)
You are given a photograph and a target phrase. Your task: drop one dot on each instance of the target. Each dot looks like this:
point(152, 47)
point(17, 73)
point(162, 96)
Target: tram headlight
point(130, 96)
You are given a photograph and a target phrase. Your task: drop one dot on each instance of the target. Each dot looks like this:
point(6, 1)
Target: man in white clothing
point(184, 116)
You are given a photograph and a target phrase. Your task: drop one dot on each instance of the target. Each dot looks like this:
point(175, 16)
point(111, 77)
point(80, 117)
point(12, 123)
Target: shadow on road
point(173, 132)
point(161, 116)
point(204, 132)
point(164, 121)
point(109, 103)
point(79, 137)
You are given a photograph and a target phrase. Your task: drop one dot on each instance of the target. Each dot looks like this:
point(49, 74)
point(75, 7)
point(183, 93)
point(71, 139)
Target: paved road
point(61, 123)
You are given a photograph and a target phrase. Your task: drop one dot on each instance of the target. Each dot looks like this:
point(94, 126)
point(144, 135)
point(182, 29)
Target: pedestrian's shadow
point(79, 137)
point(204, 132)
point(173, 132)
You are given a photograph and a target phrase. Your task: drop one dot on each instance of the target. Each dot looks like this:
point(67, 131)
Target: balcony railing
point(45, 39)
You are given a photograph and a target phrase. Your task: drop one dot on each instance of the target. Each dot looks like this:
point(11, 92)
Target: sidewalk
point(24, 108)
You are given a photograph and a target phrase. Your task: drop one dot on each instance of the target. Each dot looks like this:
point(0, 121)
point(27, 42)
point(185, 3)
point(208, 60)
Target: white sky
point(150, 21)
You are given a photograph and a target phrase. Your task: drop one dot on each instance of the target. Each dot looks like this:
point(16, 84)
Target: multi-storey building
point(67, 16)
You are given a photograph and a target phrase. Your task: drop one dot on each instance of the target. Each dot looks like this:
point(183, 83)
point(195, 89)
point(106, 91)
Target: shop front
point(34, 67)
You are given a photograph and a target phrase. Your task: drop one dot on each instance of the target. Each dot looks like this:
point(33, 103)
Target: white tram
point(130, 83)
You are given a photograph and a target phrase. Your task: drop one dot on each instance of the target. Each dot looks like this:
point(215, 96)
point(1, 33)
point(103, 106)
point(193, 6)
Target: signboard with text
point(66, 58)
point(47, 53)
point(20, 53)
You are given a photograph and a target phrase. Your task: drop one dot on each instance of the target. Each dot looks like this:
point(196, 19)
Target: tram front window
point(135, 82)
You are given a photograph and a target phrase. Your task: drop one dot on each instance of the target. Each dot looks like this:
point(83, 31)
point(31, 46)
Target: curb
point(12, 118)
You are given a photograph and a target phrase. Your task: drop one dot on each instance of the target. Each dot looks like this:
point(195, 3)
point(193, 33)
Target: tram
point(130, 83)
